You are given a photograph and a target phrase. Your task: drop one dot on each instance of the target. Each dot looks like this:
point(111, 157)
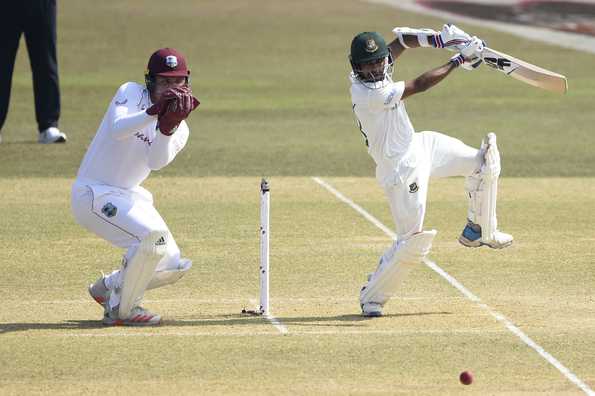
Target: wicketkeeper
point(405, 160)
point(143, 130)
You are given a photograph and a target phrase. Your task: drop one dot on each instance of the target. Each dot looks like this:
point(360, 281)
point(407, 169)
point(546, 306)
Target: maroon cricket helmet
point(167, 62)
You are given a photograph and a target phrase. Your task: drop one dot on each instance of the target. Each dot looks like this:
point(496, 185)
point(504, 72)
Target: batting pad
point(140, 269)
point(169, 276)
point(391, 273)
point(490, 173)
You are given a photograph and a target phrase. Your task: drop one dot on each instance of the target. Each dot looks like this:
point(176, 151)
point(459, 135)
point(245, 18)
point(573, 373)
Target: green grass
point(272, 78)
point(320, 252)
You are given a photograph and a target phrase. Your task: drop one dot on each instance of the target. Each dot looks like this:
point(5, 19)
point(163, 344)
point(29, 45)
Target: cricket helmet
point(370, 48)
point(166, 62)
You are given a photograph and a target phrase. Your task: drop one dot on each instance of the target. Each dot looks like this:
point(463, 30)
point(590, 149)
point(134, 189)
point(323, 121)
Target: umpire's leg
point(10, 31)
point(40, 34)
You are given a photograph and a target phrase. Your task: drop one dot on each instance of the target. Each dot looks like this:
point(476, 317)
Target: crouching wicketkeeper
point(142, 130)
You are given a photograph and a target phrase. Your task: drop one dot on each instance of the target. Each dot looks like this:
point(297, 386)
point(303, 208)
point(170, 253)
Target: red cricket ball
point(466, 378)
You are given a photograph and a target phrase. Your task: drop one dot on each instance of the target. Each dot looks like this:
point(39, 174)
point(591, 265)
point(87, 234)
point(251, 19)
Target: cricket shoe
point(471, 237)
point(51, 135)
point(99, 292)
point(139, 316)
point(371, 310)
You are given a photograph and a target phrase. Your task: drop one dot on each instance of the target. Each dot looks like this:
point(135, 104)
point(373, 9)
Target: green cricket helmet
point(370, 48)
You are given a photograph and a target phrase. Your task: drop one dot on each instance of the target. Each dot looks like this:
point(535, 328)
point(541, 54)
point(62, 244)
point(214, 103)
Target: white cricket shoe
point(139, 316)
point(99, 292)
point(371, 310)
point(51, 135)
point(500, 240)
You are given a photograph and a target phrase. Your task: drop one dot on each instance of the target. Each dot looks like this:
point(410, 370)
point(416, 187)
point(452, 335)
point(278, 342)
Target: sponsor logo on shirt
point(122, 102)
point(390, 96)
point(143, 138)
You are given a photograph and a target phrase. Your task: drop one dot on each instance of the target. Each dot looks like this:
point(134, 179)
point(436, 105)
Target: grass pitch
point(321, 251)
point(272, 77)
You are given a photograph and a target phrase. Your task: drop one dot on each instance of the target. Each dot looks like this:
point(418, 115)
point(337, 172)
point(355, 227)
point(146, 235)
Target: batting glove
point(472, 64)
point(470, 56)
point(452, 38)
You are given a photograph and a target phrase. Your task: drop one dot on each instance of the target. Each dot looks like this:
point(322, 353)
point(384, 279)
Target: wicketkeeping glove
point(177, 109)
point(161, 105)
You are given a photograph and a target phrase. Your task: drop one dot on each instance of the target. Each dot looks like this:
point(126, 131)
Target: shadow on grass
point(20, 143)
point(349, 320)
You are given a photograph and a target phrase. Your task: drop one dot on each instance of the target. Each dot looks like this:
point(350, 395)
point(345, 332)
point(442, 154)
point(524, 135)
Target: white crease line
point(401, 333)
point(456, 284)
point(222, 301)
point(274, 321)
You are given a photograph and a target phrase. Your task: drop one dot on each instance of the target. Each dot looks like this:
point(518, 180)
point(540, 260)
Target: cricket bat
point(524, 71)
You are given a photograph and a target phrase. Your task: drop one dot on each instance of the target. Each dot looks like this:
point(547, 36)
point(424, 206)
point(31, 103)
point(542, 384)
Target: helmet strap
point(150, 82)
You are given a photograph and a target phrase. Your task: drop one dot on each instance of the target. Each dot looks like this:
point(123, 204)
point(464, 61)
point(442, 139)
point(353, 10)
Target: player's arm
point(124, 118)
point(172, 129)
point(127, 119)
point(428, 79)
point(125, 124)
point(469, 59)
point(165, 148)
point(450, 37)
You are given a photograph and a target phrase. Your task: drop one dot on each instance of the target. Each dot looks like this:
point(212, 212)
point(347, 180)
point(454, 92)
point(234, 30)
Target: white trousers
point(436, 155)
point(121, 217)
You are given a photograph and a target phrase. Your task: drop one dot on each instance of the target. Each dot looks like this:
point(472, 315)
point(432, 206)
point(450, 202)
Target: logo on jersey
point(171, 61)
point(109, 210)
point(390, 96)
point(143, 138)
point(413, 187)
point(122, 102)
point(371, 45)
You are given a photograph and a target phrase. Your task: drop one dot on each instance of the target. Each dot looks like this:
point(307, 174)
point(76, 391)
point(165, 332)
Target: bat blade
point(525, 71)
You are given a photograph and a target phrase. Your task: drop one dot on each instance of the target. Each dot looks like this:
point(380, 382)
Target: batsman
point(143, 130)
point(406, 160)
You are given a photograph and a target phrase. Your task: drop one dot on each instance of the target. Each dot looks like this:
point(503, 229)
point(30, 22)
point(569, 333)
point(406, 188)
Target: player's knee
point(171, 272)
point(169, 262)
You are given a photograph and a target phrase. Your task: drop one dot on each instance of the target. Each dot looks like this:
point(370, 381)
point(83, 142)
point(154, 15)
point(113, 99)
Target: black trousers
point(36, 19)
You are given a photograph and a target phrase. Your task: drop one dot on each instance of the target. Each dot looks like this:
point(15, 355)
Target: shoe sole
point(469, 243)
point(475, 244)
point(59, 140)
point(130, 324)
point(372, 314)
point(119, 322)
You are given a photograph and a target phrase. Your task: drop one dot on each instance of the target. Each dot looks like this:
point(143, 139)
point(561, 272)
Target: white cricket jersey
point(127, 145)
point(386, 127)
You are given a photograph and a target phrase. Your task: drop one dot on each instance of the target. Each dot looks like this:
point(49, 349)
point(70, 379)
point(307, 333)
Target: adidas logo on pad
point(160, 241)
